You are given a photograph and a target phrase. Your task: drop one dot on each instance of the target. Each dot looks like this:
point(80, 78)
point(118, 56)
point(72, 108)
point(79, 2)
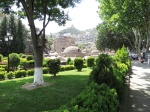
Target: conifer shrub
point(96, 98)
point(68, 60)
point(103, 71)
point(54, 66)
point(78, 63)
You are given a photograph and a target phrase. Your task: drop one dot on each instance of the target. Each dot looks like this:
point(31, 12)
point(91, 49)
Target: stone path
point(138, 98)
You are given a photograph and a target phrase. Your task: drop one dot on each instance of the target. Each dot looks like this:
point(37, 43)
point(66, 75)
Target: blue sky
point(83, 16)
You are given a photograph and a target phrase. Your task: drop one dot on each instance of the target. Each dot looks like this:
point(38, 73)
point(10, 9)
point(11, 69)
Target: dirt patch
point(31, 86)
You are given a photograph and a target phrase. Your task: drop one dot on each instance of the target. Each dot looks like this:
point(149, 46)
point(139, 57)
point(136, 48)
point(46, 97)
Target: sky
point(83, 16)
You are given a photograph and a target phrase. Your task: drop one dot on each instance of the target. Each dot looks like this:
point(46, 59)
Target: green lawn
point(64, 88)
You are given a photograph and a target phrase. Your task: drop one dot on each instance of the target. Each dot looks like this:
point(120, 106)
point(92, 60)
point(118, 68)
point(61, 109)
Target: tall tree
point(21, 35)
point(3, 32)
point(12, 30)
point(45, 10)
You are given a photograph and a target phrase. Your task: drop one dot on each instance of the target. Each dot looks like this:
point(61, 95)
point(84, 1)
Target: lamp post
point(8, 37)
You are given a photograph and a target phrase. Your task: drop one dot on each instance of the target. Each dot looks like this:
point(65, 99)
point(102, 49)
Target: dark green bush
point(54, 66)
point(96, 98)
point(78, 63)
point(68, 60)
point(30, 64)
point(30, 72)
point(45, 70)
point(1, 56)
point(14, 60)
point(10, 75)
point(2, 75)
point(90, 61)
point(20, 73)
point(21, 54)
point(29, 57)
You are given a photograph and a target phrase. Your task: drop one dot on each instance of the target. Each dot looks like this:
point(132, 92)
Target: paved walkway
point(139, 88)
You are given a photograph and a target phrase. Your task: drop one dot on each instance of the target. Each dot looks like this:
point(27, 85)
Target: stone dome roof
point(95, 51)
point(72, 49)
point(85, 50)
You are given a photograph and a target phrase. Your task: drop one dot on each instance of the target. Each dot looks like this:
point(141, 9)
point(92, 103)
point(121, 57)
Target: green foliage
point(45, 60)
point(1, 57)
point(78, 63)
point(66, 67)
point(103, 71)
point(71, 62)
point(96, 98)
point(45, 70)
point(2, 75)
point(23, 63)
point(90, 61)
point(14, 60)
point(2, 69)
point(30, 72)
point(20, 73)
point(10, 75)
point(29, 57)
point(122, 55)
point(54, 66)
point(23, 56)
point(68, 60)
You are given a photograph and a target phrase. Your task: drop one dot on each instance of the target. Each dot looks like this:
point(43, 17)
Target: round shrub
point(2, 75)
point(29, 57)
point(96, 98)
point(23, 63)
point(1, 56)
point(90, 61)
point(10, 75)
point(14, 60)
point(45, 70)
point(78, 63)
point(54, 66)
point(20, 73)
point(30, 72)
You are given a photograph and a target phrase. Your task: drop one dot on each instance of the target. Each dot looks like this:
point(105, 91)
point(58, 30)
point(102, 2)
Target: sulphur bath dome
point(72, 51)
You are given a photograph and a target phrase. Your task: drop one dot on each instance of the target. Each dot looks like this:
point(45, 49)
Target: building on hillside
point(62, 43)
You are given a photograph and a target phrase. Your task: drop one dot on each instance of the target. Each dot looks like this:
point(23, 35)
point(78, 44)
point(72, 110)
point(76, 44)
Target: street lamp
point(8, 37)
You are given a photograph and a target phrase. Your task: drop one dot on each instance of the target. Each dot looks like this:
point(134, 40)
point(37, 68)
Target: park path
point(138, 98)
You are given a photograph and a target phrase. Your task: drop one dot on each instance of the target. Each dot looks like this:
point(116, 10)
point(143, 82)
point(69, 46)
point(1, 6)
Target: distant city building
point(60, 43)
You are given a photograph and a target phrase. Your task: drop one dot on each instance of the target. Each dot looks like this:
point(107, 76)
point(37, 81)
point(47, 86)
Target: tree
point(3, 28)
point(45, 10)
point(21, 34)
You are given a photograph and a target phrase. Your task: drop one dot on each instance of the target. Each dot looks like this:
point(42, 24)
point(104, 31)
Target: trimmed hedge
point(10, 75)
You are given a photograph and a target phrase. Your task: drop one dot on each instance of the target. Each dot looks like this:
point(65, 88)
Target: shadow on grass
point(63, 89)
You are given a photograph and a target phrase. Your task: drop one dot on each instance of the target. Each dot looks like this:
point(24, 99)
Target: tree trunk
point(38, 70)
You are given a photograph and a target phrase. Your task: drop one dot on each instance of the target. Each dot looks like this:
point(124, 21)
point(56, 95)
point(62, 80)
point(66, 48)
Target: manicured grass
point(63, 89)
